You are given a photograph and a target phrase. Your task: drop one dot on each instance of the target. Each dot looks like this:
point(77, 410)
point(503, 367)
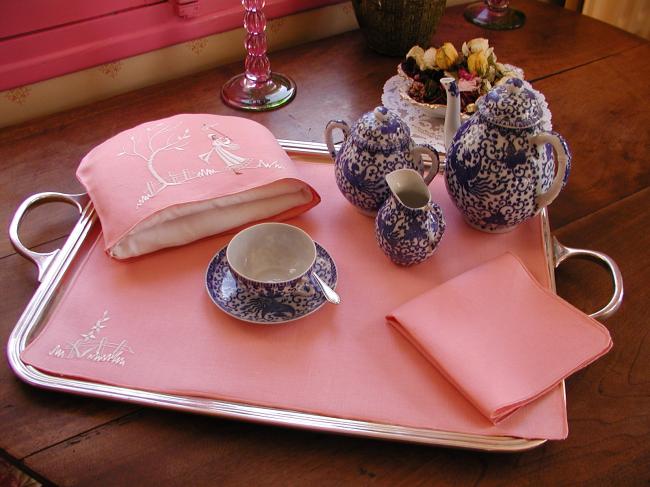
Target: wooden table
point(595, 78)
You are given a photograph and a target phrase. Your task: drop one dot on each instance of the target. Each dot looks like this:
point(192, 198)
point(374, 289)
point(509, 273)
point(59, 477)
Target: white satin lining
point(185, 223)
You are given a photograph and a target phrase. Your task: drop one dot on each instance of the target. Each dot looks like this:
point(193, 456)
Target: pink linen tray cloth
point(165, 334)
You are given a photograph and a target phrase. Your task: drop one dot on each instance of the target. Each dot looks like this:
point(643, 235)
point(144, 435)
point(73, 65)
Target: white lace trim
point(426, 125)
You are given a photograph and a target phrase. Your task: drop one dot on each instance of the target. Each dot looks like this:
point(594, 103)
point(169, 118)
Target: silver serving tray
point(52, 267)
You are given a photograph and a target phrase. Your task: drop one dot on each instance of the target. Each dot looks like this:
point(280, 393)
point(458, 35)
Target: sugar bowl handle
point(416, 154)
point(331, 125)
point(563, 157)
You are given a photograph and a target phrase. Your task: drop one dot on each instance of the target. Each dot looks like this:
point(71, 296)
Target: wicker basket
point(392, 26)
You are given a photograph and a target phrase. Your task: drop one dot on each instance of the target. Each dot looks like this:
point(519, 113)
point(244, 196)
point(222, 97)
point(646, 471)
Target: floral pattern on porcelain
point(409, 235)
point(512, 106)
point(494, 170)
point(267, 306)
point(378, 143)
point(300, 285)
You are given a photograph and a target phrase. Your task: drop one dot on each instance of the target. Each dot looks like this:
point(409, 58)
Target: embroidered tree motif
point(163, 137)
point(155, 135)
point(99, 324)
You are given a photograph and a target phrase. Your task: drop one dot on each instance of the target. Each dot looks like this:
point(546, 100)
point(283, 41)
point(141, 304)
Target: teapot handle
point(416, 154)
point(563, 159)
point(331, 125)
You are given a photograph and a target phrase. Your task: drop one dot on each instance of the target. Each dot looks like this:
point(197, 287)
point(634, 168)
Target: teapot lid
point(511, 105)
point(382, 129)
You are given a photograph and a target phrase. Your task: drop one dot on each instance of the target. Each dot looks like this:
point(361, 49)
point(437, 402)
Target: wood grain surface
point(595, 80)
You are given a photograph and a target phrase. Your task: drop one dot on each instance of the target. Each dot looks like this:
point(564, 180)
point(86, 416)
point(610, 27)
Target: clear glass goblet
point(257, 88)
point(494, 14)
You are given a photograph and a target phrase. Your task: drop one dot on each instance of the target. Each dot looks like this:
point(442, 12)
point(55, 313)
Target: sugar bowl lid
point(511, 105)
point(382, 129)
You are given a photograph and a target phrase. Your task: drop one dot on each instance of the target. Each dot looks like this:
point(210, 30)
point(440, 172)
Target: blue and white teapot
point(500, 165)
point(377, 144)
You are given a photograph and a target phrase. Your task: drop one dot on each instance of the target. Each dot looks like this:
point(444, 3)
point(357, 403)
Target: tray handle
point(43, 260)
point(563, 253)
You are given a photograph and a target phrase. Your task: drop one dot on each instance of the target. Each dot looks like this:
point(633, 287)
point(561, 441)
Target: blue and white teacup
point(273, 259)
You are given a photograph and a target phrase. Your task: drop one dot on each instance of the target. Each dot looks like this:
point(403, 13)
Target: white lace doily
point(428, 128)
point(425, 128)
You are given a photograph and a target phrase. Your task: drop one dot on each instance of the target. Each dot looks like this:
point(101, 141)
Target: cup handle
point(417, 152)
point(563, 158)
point(331, 125)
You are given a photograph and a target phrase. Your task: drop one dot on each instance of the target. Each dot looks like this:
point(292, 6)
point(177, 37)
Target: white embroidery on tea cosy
point(93, 348)
point(222, 145)
point(172, 143)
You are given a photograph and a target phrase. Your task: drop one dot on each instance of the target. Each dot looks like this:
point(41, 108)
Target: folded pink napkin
point(499, 337)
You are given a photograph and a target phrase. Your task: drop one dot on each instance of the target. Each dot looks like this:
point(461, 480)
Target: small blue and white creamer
point(500, 166)
point(409, 226)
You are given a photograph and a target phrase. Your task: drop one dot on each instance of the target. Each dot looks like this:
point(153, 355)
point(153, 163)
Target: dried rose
point(502, 69)
point(477, 45)
point(416, 91)
point(489, 54)
point(485, 86)
point(417, 53)
point(429, 58)
point(464, 74)
point(446, 56)
point(491, 73)
point(469, 85)
point(477, 63)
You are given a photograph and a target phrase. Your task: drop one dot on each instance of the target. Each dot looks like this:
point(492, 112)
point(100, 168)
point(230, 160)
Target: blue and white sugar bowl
point(409, 226)
point(501, 170)
point(377, 144)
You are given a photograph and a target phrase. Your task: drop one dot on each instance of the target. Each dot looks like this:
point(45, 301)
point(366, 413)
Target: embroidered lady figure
point(222, 145)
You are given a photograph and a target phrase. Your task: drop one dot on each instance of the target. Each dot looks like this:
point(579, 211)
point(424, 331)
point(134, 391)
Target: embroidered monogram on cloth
point(93, 347)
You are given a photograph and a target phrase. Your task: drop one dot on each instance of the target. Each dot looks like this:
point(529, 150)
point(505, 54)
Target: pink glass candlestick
point(495, 14)
point(258, 88)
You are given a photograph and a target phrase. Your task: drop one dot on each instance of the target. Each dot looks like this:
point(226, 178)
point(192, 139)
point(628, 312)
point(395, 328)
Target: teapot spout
point(452, 115)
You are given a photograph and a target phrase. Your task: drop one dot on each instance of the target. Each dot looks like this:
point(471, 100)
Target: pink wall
point(41, 43)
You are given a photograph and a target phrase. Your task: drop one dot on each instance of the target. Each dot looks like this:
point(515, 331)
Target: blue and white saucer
point(266, 309)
